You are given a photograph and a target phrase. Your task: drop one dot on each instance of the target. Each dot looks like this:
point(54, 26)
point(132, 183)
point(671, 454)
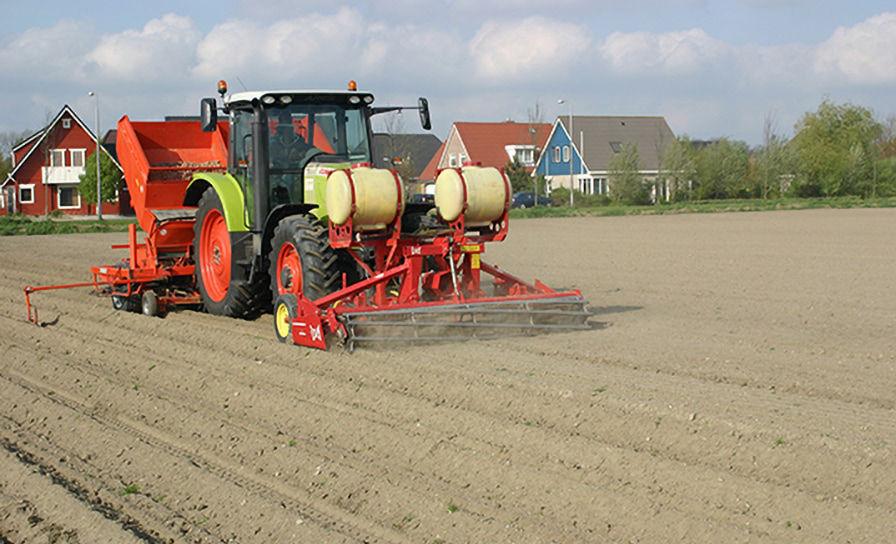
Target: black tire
point(321, 270)
point(149, 304)
point(288, 304)
point(243, 299)
point(124, 303)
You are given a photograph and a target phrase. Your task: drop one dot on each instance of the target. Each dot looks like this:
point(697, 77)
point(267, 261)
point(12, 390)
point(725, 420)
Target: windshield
point(298, 132)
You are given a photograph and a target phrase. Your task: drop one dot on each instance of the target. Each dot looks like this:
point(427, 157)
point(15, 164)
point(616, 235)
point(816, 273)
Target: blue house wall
point(547, 166)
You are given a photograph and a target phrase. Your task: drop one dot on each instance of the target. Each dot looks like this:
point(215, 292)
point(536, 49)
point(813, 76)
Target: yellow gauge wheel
point(284, 313)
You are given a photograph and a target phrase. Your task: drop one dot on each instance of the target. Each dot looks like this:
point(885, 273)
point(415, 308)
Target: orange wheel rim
point(214, 255)
point(289, 270)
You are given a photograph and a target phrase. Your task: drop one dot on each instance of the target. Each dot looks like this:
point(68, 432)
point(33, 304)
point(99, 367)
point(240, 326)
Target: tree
point(520, 180)
point(773, 161)
point(723, 170)
point(679, 168)
point(8, 140)
point(396, 150)
point(5, 166)
point(626, 184)
point(836, 152)
point(111, 179)
point(886, 143)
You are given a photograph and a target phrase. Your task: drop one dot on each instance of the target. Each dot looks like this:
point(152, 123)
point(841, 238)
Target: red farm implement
point(279, 205)
point(158, 159)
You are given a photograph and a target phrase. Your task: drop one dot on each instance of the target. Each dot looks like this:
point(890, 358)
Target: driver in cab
point(288, 151)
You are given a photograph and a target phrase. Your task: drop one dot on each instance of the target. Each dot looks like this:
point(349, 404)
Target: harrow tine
point(482, 321)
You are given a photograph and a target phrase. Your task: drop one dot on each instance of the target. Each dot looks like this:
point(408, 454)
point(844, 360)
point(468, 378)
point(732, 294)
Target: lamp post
point(99, 191)
point(571, 132)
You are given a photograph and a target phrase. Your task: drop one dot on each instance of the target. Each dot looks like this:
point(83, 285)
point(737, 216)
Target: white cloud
point(532, 48)
point(312, 47)
point(864, 53)
point(470, 70)
point(162, 50)
point(669, 53)
point(46, 54)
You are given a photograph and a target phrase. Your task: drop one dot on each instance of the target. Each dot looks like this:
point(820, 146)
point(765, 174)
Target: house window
point(557, 154)
point(66, 123)
point(57, 157)
point(526, 157)
point(601, 186)
point(565, 153)
point(616, 147)
point(68, 197)
point(26, 194)
point(77, 157)
point(452, 160)
point(462, 159)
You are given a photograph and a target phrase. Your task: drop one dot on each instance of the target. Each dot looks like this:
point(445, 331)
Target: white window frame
point(29, 186)
point(525, 156)
point(461, 159)
point(59, 200)
point(66, 123)
point(53, 154)
point(556, 156)
point(71, 157)
point(452, 160)
point(565, 153)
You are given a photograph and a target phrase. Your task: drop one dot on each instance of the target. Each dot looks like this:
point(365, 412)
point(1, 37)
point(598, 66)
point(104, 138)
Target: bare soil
point(740, 387)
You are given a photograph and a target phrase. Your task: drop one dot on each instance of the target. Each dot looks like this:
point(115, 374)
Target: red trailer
point(158, 159)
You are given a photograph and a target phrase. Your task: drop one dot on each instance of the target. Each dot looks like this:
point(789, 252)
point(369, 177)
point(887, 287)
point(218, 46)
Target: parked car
point(422, 198)
point(526, 199)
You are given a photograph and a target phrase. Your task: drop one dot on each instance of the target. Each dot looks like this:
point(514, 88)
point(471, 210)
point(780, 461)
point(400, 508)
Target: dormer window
point(525, 156)
point(66, 123)
point(616, 147)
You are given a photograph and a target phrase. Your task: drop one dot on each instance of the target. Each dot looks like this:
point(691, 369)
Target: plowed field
point(740, 386)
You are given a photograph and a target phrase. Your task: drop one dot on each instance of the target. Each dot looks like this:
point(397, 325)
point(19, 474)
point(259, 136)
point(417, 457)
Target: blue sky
point(712, 68)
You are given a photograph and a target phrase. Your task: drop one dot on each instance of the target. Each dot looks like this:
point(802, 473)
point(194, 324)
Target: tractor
point(260, 229)
point(277, 206)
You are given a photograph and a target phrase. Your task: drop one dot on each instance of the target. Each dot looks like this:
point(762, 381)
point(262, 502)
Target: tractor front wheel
point(302, 261)
point(222, 294)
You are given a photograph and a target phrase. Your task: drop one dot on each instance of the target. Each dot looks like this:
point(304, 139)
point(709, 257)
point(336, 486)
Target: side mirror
point(208, 115)
point(423, 110)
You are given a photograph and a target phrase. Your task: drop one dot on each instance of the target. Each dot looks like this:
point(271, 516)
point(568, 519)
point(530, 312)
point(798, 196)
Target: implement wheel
point(302, 261)
point(124, 303)
point(149, 303)
point(285, 311)
point(220, 293)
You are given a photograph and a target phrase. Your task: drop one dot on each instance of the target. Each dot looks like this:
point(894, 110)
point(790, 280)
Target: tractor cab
point(284, 144)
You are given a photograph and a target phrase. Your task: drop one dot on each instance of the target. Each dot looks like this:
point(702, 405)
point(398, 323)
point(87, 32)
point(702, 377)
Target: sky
point(712, 68)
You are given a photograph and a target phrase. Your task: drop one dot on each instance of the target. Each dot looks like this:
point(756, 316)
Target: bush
point(560, 196)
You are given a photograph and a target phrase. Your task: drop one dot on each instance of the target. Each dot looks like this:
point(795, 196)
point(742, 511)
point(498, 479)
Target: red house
point(46, 170)
point(490, 144)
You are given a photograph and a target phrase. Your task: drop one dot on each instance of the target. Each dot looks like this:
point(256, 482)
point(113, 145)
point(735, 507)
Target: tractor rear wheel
point(302, 261)
point(220, 293)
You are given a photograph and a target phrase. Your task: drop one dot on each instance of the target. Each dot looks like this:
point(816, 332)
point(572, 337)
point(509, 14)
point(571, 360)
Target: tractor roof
point(249, 96)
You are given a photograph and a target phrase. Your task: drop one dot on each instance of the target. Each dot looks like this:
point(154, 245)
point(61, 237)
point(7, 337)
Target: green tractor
point(260, 229)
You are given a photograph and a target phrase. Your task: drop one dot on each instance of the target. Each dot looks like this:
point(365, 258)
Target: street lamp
point(535, 169)
point(571, 132)
point(99, 192)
